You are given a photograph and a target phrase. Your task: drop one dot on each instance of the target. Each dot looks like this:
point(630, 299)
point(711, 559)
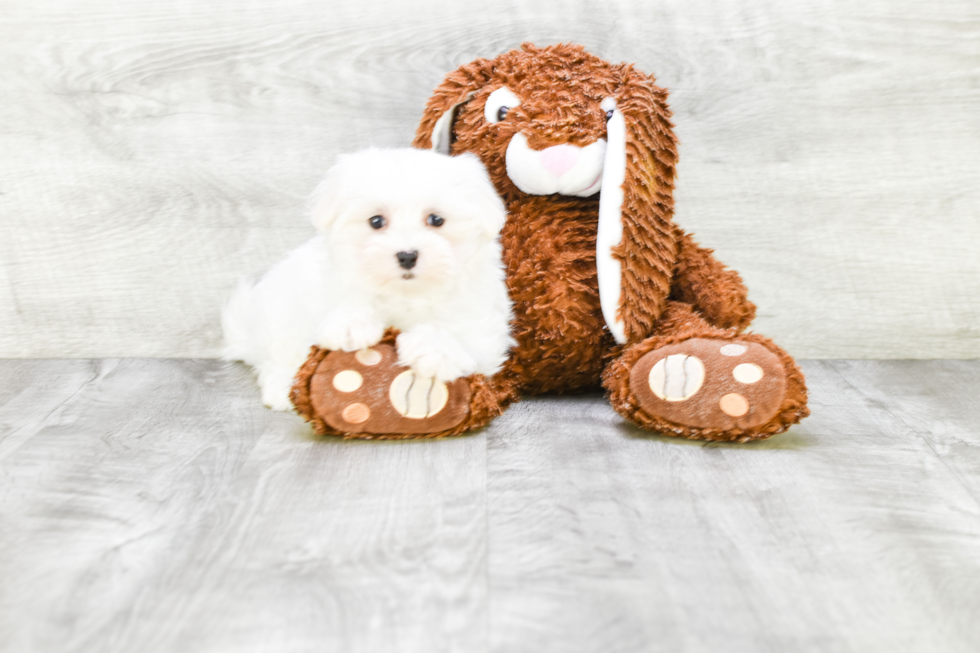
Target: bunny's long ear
point(636, 246)
point(436, 128)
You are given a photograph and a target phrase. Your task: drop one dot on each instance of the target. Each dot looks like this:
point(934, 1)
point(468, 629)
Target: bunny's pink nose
point(559, 159)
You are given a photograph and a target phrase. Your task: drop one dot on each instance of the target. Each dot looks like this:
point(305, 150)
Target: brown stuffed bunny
point(607, 290)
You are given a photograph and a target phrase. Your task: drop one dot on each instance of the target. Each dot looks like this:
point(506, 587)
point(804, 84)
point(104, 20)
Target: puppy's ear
point(636, 246)
point(323, 205)
point(435, 131)
point(487, 207)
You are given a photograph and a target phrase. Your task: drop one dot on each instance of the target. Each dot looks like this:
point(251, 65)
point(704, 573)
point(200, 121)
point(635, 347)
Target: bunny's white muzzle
point(564, 169)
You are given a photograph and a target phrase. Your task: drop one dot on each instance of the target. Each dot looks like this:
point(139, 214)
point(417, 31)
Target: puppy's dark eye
point(377, 222)
point(435, 220)
point(502, 113)
point(609, 115)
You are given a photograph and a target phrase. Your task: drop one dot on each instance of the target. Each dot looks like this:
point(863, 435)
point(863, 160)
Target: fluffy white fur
point(342, 288)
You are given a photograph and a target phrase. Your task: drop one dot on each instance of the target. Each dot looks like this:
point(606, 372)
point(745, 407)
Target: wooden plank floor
point(153, 505)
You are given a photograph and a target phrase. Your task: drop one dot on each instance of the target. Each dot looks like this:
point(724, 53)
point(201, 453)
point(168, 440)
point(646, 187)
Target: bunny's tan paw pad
point(366, 394)
point(715, 384)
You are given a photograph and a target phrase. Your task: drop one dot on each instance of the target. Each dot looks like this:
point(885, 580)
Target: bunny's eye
point(435, 220)
point(499, 103)
point(609, 114)
point(377, 222)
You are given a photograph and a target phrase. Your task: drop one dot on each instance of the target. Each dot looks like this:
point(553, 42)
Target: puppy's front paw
point(349, 330)
point(434, 352)
point(276, 383)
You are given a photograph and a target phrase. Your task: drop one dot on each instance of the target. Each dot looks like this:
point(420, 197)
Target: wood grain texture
point(154, 505)
point(160, 507)
point(151, 153)
point(858, 530)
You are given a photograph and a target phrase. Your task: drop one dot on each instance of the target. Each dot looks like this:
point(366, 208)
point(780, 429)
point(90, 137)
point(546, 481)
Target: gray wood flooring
point(155, 506)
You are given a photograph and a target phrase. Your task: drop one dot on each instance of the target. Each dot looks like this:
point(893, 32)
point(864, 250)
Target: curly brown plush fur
point(562, 87)
point(671, 289)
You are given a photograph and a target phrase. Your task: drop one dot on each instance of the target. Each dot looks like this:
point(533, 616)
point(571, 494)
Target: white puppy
point(407, 238)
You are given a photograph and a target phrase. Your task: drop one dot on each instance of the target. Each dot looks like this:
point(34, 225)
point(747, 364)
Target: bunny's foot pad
point(721, 386)
point(366, 394)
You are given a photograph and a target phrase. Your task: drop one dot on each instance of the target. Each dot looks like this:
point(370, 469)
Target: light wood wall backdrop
point(153, 152)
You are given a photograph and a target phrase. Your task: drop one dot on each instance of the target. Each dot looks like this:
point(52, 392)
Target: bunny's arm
point(715, 291)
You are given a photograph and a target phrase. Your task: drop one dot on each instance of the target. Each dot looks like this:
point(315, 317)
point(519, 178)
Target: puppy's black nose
point(407, 259)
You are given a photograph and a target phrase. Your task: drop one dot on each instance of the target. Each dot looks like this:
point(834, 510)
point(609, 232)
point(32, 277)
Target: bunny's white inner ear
point(610, 230)
point(442, 133)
